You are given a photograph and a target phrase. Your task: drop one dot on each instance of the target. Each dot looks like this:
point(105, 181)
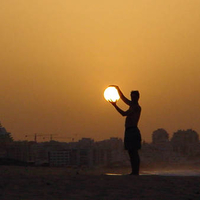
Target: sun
point(111, 94)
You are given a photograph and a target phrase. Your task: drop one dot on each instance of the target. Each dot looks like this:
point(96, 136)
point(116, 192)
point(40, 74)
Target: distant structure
point(88, 153)
point(182, 148)
point(160, 136)
point(185, 141)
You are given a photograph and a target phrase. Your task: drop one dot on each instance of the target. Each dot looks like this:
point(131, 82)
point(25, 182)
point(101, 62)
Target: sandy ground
point(28, 183)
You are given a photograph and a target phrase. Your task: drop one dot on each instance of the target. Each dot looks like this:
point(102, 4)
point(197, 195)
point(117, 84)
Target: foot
point(135, 174)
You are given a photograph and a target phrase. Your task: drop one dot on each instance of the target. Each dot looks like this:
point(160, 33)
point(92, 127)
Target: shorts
point(132, 138)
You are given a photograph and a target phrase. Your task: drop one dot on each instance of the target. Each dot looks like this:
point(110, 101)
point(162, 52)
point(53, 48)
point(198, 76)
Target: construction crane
point(51, 136)
point(36, 135)
point(72, 139)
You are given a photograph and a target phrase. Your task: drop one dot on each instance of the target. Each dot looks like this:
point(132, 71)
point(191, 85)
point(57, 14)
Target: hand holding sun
point(111, 94)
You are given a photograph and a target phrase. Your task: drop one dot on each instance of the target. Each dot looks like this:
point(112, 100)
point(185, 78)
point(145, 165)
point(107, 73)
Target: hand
point(114, 103)
point(114, 86)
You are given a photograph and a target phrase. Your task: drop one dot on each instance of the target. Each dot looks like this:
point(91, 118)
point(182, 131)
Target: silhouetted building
point(21, 151)
point(62, 158)
point(185, 141)
point(160, 136)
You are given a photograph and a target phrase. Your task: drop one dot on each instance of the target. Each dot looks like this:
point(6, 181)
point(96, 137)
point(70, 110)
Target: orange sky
point(57, 58)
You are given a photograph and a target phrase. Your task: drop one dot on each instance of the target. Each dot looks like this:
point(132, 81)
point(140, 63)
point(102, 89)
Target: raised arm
point(123, 113)
point(124, 99)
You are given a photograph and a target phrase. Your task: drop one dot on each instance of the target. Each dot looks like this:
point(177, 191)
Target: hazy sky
point(57, 57)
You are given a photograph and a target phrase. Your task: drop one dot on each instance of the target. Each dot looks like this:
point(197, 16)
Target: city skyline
point(58, 58)
point(158, 134)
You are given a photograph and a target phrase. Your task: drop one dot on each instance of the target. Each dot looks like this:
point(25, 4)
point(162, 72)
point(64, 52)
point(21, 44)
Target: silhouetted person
point(132, 136)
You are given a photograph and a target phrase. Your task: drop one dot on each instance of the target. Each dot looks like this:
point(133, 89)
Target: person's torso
point(133, 117)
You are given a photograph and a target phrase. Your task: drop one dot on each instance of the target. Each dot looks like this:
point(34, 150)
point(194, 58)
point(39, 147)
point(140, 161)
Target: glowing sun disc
point(111, 94)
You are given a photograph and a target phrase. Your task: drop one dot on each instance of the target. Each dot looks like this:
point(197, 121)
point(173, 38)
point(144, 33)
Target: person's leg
point(135, 161)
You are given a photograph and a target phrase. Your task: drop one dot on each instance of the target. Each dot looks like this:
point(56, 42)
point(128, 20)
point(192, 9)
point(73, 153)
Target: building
point(21, 151)
point(62, 158)
point(160, 136)
point(185, 142)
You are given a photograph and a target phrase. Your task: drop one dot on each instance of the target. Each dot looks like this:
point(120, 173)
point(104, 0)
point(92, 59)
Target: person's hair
point(136, 92)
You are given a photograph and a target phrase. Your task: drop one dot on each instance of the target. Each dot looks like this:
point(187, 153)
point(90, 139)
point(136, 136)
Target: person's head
point(135, 95)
